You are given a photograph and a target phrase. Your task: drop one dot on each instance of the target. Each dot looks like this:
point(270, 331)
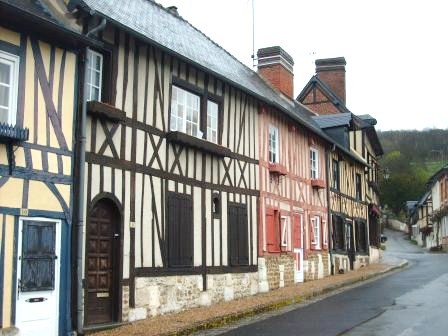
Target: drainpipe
point(329, 220)
point(81, 164)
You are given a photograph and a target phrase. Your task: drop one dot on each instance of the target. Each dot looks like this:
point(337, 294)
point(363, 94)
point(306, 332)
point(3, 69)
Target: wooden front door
point(102, 264)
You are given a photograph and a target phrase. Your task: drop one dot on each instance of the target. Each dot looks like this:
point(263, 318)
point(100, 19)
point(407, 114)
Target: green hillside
point(410, 158)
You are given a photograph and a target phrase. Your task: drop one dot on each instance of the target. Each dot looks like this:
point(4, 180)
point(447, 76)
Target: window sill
point(13, 134)
point(277, 168)
point(204, 145)
point(105, 111)
point(318, 183)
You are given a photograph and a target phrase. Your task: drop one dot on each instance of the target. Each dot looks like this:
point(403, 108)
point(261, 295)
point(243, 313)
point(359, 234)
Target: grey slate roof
point(155, 23)
point(333, 120)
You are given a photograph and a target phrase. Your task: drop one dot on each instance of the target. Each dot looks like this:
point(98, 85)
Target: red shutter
point(297, 232)
point(272, 231)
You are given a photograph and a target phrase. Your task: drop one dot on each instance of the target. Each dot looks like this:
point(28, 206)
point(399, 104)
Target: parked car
point(383, 238)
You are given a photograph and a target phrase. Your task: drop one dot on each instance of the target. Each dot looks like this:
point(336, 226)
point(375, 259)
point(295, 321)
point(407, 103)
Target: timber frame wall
point(40, 184)
point(290, 192)
point(138, 161)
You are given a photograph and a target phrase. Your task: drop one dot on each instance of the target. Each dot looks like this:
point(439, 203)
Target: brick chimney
point(332, 72)
point(276, 66)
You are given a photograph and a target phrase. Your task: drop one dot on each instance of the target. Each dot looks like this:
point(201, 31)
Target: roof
point(34, 7)
point(436, 176)
point(333, 120)
point(364, 121)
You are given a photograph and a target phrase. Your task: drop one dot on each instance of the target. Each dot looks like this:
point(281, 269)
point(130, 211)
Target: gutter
point(329, 219)
point(80, 219)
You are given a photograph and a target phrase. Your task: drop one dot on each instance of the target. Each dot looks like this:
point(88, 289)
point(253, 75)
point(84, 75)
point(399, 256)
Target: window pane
point(97, 64)
point(97, 79)
point(3, 115)
point(5, 71)
point(188, 130)
point(4, 96)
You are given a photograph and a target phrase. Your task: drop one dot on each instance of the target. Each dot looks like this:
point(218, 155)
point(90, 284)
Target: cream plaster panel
point(11, 193)
point(147, 224)
point(94, 181)
point(224, 227)
point(66, 165)
point(138, 208)
point(158, 186)
point(208, 225)
point(10, 36)
point(8, 267)
point(126, 239)
point(107, 179)
point(41, 198)
point(52, 163)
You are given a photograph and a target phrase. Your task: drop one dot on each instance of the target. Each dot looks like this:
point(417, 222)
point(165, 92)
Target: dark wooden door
point(102, 266)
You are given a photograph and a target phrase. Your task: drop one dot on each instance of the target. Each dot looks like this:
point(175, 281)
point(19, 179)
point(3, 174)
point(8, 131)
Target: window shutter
point(272, 231)
point(38, 256)
point(296, 232)
point(243, 250)
point(233, 235)
point(312, 238)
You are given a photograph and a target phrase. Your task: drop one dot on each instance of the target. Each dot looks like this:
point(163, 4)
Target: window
point(360, 235)
point(38, 256)
point(238, 237)
point(314, 163)
point(286, 233)
point(273, 144)
point(335, 182)
point(358, 187)
point(212, 121)
point(315, 226)
point(216, 203)
point(338, 232)
point(9, 79)
point(180, 230)
point(185, 112)
point(94, 75)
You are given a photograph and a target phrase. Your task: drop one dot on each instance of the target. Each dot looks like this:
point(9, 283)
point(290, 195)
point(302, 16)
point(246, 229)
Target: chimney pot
point(173, 10)
point(276, 66)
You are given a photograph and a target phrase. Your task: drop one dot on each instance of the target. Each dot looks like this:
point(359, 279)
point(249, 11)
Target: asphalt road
point(407, 303)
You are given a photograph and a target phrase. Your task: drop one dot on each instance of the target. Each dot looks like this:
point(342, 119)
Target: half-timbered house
point(171, 174)
point(38, 75)
point(353, 173)
point(293, 232)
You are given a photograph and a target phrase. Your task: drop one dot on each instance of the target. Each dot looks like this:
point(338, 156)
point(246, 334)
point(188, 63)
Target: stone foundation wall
point(316, 266)
point(342, 263)
point(375, 255)
point(280, 270)
point(161, 295)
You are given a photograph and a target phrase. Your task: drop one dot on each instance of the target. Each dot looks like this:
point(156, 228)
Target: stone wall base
point(342, 263)
point(279, 270)
point(161, 295)
point(316, 266)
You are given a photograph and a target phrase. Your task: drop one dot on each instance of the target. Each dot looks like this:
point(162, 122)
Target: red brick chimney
point(276, 66)
point(332, 72)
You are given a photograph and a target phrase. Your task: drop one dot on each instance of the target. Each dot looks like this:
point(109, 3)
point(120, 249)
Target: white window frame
point(273, 141)
point(213, 121)
point(13, 61)
point(315, 223)
point(175, 117)
point(286, 232)
point(325, 232)
point(314, 163)
point(91, 71)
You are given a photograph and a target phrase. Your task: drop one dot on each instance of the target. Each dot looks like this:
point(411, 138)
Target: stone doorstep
point(230, 318)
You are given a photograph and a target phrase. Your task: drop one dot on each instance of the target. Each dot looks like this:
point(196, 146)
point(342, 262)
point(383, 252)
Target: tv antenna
point(253, 33)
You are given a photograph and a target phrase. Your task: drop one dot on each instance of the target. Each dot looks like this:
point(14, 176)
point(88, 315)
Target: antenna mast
point(253, 33)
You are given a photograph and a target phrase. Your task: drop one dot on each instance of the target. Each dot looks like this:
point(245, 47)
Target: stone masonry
point(317, 266)
point(161, 295)
point(280, 270)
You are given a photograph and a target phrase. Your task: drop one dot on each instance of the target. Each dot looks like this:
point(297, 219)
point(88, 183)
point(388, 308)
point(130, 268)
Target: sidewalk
point(187, 322)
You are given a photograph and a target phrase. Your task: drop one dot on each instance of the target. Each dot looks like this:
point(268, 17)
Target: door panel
point(38, 276)
point(102, 263)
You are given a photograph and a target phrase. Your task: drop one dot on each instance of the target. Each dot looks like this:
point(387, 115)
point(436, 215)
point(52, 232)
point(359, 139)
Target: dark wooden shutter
point(297, 231)
point(243, 249)
point(180, 230)
point(237, 234)
point(38, 256)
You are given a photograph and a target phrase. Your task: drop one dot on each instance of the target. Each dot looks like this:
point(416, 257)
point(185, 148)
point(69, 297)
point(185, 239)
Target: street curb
point(233, 317)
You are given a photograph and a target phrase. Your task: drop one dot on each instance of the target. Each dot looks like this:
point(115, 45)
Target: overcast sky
point(396, 50)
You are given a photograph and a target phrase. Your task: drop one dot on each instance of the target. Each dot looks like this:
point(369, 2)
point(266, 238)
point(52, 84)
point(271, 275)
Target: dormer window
point(273, 144)
point(94, 76)
point(9, 78)
point(212, 121)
